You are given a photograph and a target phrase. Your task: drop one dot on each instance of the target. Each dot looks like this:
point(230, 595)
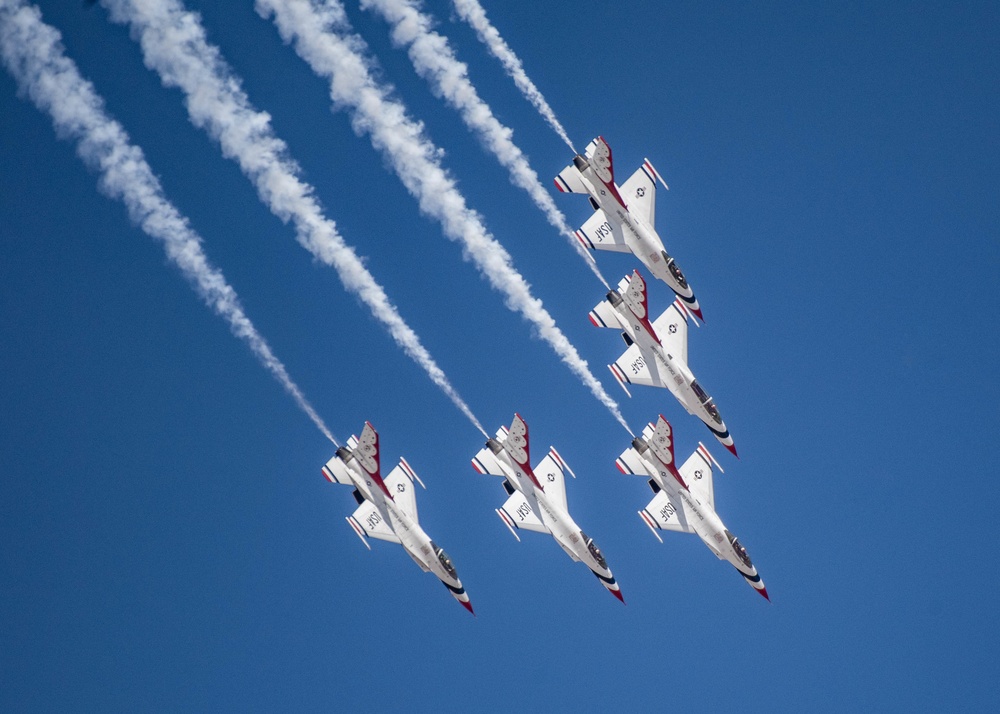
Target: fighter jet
point(684, 499)
point(537, 497)
point(657, 352)
point(623, 217)
point(387, 508)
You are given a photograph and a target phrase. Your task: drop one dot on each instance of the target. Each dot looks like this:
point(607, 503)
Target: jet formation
point(656, 355)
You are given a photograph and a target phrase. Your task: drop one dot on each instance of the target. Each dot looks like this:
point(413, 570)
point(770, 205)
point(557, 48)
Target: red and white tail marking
point(559, 460)
point(517, 448)
point(649, 167)
point(662, 445)
point(366, 453)
point(637, 299)
point(707, 455)
point(602, 163)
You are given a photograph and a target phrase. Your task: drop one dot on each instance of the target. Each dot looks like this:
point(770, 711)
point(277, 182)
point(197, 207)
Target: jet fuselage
point(411, 536)
point(564, 529)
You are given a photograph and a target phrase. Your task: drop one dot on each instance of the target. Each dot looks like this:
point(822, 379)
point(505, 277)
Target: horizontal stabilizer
point(630, 463)
point(335, 471)
point(570, 180)
point(603, 315)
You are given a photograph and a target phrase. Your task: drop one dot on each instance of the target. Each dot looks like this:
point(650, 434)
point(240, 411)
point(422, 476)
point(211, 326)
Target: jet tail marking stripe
point(328, 475)
point(707, 455)
point(410, 472)
point(650, 524)
point(656, 173)
point(620, 377)
point(479, 467)
point(559, 460)
point(360, 531)
point(508, 522)
point(623, 467)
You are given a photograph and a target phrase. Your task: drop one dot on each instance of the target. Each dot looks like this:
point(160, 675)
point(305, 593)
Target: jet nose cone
point(763, 591)
point(468, 606)
point(618, 594)
point(732, 449)
point(697, 311)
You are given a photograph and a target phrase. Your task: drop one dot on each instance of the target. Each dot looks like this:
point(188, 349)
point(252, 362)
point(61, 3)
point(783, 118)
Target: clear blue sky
point(167, 541)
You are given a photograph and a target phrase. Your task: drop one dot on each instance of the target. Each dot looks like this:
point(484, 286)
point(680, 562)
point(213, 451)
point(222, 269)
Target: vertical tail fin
point(599, 154)
point(662, 445)
point(516, 444)
point(366, 453)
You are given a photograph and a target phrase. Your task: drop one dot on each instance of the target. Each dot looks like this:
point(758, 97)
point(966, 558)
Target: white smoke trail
point(174, 44)
point(33, 53)
point(435, 61)
point(474, 14)
point(321, 35)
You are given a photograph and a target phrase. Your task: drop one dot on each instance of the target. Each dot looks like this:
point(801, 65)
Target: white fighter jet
point(537, 497)
point(657, 352)
point(387, 508)
point(685, 499)
point(623, 217)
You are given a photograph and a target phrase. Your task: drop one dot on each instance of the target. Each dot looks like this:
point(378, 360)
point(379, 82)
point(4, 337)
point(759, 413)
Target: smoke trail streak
point(321, 35)
point(434, 59)
point(174, 44)
point(474, 14)
point(33, 53)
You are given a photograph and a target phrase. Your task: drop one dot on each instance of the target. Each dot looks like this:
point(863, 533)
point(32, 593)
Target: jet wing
point(517, 513)
point(639, 192)
point(666, 515)
point(367, 522)
point(598, 233)
point(671, 328)
point(697, 473)
point(400, 484)
point(636, 367)
point(549, 473)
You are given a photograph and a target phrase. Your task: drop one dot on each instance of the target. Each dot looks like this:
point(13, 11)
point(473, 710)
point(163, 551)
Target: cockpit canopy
point(706, 401)
point(594, 550)
point(741, 552)
point(445, 560)
point(675, 270)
